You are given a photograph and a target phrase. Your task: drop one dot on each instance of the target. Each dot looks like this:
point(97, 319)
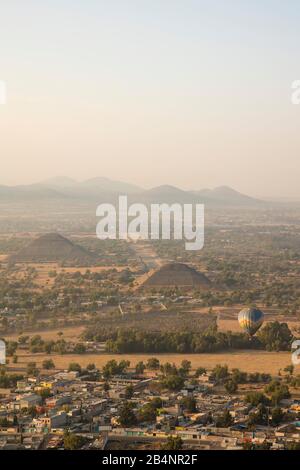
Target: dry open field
point(249, 361)
point(71, 333)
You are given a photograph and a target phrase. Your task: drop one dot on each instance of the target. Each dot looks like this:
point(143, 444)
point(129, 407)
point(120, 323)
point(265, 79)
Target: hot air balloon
point(251, 319)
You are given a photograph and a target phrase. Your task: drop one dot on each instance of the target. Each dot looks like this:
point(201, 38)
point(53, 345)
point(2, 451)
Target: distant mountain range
point(101, 189)
point(63, 183)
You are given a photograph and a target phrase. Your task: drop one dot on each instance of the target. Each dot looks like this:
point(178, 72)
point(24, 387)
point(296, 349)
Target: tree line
point(274, 336)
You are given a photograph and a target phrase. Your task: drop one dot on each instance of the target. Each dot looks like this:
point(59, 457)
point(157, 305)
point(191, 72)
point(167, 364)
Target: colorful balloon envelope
point(251, 319)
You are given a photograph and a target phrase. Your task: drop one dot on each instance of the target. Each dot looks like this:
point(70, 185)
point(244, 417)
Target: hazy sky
point(192, 93)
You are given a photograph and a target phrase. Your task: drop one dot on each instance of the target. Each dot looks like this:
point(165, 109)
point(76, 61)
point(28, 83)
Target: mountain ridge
point(100, 188)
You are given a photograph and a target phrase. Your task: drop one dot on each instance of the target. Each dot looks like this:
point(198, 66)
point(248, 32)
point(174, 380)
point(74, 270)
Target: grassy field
point(249, 361)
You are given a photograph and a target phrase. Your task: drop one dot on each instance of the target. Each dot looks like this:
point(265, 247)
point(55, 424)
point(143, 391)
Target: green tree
point(186, 366)
point(126, 415)
point(173, 382)
point(48, 364)
point(220, 372)
point(148, 412)
point(106, 386)
point(72, 441)
point(74, 367)
point(152, 363)
point(200, 371)
point(23, 339)
point(231, 386)
point(32, 369)
point(289, 369)
point(261, 416)
point(275, 336)
point(44, 393)
point(189, 404)
point(11, 347)
point(140, 367)
point(173, 443)
point(129, 392)
point(277, 416)
point(254, 398)
point(79, 348)
point(292, 446)
point(238, 376)
point(224, 420)
point(277, 391)
point(113, 368)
